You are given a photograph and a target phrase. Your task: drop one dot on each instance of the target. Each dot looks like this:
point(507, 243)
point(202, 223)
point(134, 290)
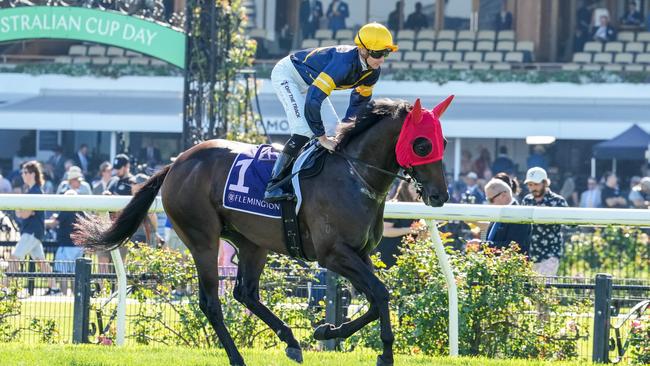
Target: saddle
point(308, 165)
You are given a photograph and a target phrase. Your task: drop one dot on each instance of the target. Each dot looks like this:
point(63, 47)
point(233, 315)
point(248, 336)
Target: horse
point(341, 216)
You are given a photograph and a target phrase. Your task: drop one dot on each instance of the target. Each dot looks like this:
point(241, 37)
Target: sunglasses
point(25, 172)
point(379, 54)
point(491, 199)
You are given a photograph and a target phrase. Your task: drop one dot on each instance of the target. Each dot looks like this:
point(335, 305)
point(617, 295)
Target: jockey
point(303, 82)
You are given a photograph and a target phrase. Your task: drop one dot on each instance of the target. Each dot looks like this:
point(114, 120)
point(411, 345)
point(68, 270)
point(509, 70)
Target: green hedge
point(531, 77)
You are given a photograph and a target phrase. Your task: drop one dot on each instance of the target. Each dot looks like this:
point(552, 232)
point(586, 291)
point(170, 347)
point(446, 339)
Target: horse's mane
point(374, 111)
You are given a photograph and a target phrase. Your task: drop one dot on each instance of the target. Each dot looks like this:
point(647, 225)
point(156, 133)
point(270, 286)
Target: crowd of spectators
point(595, 24)
point(72, 176)
point(543, 244)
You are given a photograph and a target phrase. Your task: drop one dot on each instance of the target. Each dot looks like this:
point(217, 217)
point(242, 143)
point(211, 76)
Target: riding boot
point(274, 190)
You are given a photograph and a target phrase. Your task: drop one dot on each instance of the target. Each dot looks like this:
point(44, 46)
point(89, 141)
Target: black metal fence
point(88, 313)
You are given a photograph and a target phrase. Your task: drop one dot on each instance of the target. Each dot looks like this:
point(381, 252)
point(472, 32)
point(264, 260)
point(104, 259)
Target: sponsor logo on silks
point(296, 110)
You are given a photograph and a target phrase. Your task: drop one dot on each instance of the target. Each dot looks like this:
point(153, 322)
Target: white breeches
point(292, 90)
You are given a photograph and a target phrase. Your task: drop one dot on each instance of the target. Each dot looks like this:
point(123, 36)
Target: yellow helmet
point(375, 37)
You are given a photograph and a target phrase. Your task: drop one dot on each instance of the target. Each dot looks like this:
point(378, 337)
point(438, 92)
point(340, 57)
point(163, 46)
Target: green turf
point(87, 355)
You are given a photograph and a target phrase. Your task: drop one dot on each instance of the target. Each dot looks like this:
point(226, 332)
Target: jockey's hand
point(328, 142)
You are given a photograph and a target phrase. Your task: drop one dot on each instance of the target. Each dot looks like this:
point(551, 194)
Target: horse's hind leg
point(206, 257)
point(252, 260)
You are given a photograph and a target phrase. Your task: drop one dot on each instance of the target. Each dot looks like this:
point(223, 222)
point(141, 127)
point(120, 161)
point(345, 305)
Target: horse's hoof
point(294, 354)
point(322, 332)
point(382, 362)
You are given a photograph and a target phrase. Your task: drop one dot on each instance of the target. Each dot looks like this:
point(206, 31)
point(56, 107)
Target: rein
point(375, 192)
point(368, 165)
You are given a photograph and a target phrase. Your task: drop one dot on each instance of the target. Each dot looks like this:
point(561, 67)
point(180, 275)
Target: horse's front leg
point(345, 261)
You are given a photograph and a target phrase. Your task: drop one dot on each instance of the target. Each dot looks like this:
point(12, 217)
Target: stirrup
point(277, 194)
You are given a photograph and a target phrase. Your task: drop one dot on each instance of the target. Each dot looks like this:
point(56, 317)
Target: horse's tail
point(97, 233)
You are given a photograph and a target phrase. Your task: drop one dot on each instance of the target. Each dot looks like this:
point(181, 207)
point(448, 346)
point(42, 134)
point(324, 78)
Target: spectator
point(546, 241)
point(568, 191)
point(336, 13)
point(503, 19)
point(81, 159)
point(120, 184)
point(632, 16)
point(396, 229)
point(473, 194)
point(465, 162)
point(503, 163)
point(634, 181)
point(57, 162)
point(172, 240)
point(537, 158)
point(612, 196)
point(417, 20)
point(499, 234)
point(511, 181)
point(5, 184)
point(483, 161)
point(48, 184)
point(148, 231)
point(67, 252)
point(150, 155)
point(640, 195)
point(591, 197)
point(487, 175)
point(604, 32)
point(75, 180)
point(105, 175)
point(395, 18)
point(583, 25)
point(310, 13)
point(32, 226)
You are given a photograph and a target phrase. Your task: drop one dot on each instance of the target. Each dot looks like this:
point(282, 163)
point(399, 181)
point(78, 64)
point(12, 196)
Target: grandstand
point(101, 55)
point(630, 52)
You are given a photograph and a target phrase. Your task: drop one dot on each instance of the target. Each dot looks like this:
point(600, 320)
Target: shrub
point(162, 318)
point(502, 312)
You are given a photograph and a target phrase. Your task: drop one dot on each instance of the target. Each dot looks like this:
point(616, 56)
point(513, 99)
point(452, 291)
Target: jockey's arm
point(359, 97)
point(320, 89)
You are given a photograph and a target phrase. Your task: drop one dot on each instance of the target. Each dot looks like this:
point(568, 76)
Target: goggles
point(379, 54)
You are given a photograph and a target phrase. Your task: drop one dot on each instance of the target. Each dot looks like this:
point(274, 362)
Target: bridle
point(410, 176)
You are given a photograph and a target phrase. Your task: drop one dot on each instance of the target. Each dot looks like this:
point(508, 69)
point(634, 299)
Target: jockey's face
point(373, 63)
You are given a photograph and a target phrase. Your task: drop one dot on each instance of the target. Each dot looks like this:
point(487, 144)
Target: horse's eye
point(422, 146)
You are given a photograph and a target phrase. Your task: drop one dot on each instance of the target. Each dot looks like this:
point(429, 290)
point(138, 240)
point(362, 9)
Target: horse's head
point(420, 149)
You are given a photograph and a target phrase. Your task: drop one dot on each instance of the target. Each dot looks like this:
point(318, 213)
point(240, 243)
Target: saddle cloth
point(250, 173)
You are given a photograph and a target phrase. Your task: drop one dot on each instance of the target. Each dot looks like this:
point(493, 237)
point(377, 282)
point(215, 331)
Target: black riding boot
point(275, 188)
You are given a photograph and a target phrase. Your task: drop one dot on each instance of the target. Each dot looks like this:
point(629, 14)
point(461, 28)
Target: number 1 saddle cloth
point(251, 171)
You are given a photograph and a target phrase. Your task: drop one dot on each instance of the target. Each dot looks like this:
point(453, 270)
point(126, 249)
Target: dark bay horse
point(341, 218)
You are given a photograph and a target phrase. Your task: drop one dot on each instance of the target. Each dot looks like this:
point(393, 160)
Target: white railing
point(513, 214)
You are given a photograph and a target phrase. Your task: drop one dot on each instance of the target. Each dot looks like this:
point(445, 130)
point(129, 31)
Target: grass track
point(14, 354)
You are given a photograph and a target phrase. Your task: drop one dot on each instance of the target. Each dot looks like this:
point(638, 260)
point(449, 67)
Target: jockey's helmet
point(375, 37)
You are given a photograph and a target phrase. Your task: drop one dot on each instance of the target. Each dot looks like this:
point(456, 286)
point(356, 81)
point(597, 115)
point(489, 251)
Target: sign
point(100, 26)
point(275, 126)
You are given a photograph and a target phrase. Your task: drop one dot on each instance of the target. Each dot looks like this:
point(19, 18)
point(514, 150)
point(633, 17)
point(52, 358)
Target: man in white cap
point(74, 180)
point(546, 241)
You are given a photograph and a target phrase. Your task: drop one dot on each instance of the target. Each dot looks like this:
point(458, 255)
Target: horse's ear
point(440, 109)
point(416, 112)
